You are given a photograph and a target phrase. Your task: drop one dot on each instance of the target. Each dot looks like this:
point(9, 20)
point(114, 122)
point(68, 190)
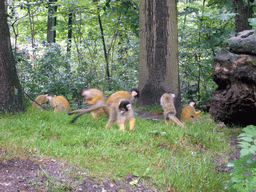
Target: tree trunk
point(70, 23)
point(11, 96)
point(241, 19)
point(158, 70)
point(104, 47)
point(52, 21)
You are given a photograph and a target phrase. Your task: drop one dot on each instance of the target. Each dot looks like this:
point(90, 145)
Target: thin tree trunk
point(70, 23)
point(241, 19)
point(104, 47)
point(52, 21)
point(32, 27)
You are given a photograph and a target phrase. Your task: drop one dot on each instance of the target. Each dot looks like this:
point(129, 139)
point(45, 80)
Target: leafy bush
point(243, 175)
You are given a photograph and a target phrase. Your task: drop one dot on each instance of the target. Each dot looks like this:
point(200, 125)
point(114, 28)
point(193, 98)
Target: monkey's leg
point(110, 122)
point(121, 126)
point(94, 114)
point(166, 119)
point(131, 123)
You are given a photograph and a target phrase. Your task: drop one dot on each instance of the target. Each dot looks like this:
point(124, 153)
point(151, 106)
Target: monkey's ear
point(172, 94)
point(128, 106)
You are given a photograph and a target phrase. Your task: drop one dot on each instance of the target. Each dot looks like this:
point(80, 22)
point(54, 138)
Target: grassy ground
point(166, 157)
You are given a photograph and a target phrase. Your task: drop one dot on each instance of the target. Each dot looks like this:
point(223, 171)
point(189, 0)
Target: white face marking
point(84, 93)
point(172, 94)
point(134, 93)
point(128, 106)
point(123, 110)
point(192, 104)
point(49, 98)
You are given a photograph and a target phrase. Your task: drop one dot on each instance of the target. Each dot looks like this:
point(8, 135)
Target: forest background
point(63, 46)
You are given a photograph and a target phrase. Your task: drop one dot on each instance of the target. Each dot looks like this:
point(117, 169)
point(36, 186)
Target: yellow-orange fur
point(132, 95)
point(41, 99)
point(189, 111)
point(59, 103)
point(115, 115)
point(121, 116)
point(100, 107)
point(93, 97)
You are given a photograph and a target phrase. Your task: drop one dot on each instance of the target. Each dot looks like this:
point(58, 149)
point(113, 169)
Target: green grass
point(161, 156)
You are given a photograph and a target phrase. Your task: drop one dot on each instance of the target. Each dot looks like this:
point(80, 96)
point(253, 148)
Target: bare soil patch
point(47, 174)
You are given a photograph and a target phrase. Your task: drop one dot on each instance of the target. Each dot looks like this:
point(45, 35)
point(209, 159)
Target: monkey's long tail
point(73, 120)
point(176, 120)
point(34, 100)
point(83, 111)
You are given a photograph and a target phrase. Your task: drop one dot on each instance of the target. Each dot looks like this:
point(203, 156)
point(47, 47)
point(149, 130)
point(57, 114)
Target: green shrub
point(243, 175)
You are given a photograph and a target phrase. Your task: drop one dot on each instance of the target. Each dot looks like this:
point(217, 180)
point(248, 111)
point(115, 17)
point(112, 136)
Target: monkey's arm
point(176, 120)
point(196, 113)
point(95, 99)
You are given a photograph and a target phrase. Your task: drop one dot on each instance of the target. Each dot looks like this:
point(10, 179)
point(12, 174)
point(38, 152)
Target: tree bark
point(104, 47)
point(11, 96)
point(241, 19)
point(158, 70)
point(70, 23)
point(52, 21)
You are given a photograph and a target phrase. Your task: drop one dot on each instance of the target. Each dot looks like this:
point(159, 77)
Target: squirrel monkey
point(59, 103)
point(189, 111)
point(120, 111)
point(93, 97)
point(167, 103)
point(100, 106)
point(132, 95)
point(41, 99)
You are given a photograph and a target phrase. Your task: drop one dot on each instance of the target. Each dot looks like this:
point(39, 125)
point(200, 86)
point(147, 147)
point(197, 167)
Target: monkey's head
point(82, 92)
point(135, 93)
point(172, 94)
point(49, 96)
point(192, 104)
point(124, 106)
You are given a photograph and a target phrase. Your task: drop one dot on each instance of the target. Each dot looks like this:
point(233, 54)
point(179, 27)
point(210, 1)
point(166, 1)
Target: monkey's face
point(124, 106)
point(192, 104)
point(172, 94)
point(50, 97)
point(83, 92)
point(135, 93)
